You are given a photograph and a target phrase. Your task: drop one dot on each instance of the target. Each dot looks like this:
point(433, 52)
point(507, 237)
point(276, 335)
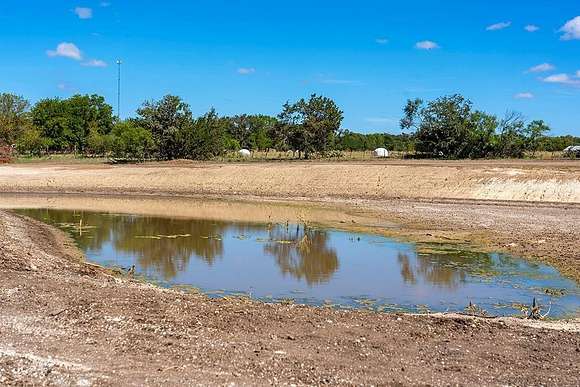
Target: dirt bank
point(66, 322)
point(539, 181)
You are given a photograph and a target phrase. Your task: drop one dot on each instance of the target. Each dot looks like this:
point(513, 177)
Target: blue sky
point(251, 56)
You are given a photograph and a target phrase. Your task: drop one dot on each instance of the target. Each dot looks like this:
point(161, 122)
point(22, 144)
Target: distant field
point(263, 156)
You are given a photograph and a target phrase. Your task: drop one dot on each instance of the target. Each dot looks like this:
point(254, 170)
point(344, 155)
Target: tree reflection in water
point(166, 245)
point(444, 268)
point(303, 253)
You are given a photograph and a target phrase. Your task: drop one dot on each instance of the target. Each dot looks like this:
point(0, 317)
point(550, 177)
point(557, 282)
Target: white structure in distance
point(244, 153)
point(381, 152)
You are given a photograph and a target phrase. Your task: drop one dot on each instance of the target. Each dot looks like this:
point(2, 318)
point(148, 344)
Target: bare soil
point(534, 180)
point(63, 321)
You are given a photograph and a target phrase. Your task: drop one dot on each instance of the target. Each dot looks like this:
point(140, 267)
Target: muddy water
point(278, 261)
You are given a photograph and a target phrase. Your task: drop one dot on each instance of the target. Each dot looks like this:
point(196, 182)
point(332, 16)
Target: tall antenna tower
point(119, 63)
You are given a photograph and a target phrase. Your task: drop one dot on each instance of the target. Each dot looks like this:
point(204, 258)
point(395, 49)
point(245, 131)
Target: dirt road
point(66, 322)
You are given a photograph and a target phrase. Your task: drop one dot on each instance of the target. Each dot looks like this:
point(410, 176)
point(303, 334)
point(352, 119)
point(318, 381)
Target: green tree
point(14, 118)
point(168, 120)
point(443, 126)
point(309, 126)
point(206, 137)
point(131, 141)
point(68, 123)
point(86, 115)
point(49, 116)
point(534, 132)
point(32, 143)
point(512, 140)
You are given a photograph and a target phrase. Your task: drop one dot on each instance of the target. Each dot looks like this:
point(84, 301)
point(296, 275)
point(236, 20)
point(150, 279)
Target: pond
point(312, 265)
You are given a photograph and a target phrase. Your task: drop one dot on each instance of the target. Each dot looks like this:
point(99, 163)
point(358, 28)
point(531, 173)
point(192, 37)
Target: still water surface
point(313, 265)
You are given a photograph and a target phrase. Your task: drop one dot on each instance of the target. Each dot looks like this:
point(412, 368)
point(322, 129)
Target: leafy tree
point(87, 115)
point(14, 118)
point(512, 141)
point(32, 143)
point(252, 131)
point(206, 137)
point(49, 115)
point(168, 120)
point(309, 126)
point(534, 133)
point(68, 123)
point(131, 141)
point(482, 137)
point(443, 126)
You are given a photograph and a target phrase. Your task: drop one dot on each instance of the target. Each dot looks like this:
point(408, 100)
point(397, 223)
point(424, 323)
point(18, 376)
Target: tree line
point(166, 129)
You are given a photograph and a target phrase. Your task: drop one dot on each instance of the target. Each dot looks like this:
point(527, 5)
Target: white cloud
point(95, 63)
point(66, 50)
point(578, 74)
point(571, 30)
point(61, 86)
point(498, 26)
point(531, 28)
point(525, 95)
point(84, 13)
point(426, 45)
point(563, 79)
point(382, 40)
point(246, 70)
point(541, 68)
point(105, 4)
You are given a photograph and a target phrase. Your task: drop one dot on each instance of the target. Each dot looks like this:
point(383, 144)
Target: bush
point(32, 143)
point(98, 144)
point(132, 142)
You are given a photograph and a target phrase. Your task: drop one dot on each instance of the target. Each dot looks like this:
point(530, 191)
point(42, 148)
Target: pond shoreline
point(65, 321)
point(543, 232)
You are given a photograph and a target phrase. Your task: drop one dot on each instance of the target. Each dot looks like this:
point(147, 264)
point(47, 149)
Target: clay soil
point(65, 321)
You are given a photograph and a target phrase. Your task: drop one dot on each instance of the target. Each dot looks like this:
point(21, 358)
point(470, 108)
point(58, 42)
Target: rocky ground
point(63, 321)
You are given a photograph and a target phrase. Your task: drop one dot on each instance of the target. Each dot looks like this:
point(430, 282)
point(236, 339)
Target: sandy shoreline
point(64, 321)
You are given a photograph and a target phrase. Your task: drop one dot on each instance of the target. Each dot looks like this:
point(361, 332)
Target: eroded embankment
point(480, 180)
point(66, 322)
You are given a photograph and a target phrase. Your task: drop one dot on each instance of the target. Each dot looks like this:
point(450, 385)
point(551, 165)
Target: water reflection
point(303, 253)
point(285, 260)
point(443, 267)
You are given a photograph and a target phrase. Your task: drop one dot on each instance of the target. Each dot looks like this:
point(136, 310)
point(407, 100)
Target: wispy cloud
point(382, 40)
point(66, 50)
point(563, 79)
point(84, 13)
point(246, 70)
point(499, 26)
point(426, 45)
point(542, 68)
point(531, 28)
point(525, 95)
point(105, 4)
point(95, 63)
point(571, 30)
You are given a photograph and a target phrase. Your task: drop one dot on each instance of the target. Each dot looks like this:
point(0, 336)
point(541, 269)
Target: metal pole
point(119, 63)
